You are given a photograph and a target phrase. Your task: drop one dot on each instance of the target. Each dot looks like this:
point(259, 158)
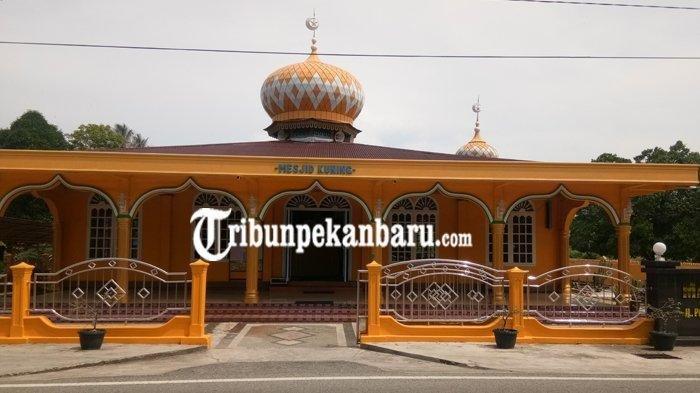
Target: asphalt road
point(348, 376)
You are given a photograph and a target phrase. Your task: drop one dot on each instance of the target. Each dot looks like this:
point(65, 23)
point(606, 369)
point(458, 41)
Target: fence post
point(21, 275)
point(199, 297)
point(516, 278)
point(373, 297)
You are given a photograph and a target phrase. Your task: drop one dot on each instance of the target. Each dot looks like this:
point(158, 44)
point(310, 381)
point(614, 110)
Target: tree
point(96, 137)
point(672, 217)
point(131, 138)
point(32, 131)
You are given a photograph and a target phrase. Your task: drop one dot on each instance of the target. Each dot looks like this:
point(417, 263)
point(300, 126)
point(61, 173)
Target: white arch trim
point(173, 190)
point(57, 180)
point(577, 197)
point(439, 188)
point(315, 186)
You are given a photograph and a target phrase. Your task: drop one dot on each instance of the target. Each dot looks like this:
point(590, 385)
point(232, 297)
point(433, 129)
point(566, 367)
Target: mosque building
point(137, 203)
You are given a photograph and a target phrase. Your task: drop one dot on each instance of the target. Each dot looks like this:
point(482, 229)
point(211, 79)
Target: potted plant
point(505, 337)
point(663, 338)
point(91, 339)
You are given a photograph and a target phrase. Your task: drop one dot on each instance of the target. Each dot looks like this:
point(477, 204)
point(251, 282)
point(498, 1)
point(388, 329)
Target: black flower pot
point(91, 338)
point(505, 338)
point(663, 341)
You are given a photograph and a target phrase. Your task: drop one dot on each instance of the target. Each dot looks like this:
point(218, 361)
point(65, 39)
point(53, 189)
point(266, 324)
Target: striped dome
point(312, 89)
point(477, 147)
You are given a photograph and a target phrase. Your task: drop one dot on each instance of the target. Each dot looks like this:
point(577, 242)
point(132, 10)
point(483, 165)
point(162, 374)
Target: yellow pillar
point(373, 297)
point(564, 257)
point(251, 276)
point(516, 305)
point(123, 251)
point(497, 228)
point(21, 276)
point(623, 252)
point(199, 298)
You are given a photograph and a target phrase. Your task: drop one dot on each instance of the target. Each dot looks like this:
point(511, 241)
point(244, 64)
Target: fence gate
point(436, 291)
point(111, 289)
point(585, 294)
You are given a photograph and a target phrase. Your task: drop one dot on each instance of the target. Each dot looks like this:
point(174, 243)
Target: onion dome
point(477, 147)
point(312, 100)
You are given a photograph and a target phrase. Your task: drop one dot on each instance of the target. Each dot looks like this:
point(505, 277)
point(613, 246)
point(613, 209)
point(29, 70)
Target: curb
point(147, 356)
point(416, 356)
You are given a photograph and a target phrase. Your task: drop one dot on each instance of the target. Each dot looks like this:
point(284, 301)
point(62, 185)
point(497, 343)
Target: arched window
point(419, 211)
point(135, 252)
point(334, 202)
point(518, 235)
point(301, 201)
point(100, 228)
point(521, 233)
point(221, 202)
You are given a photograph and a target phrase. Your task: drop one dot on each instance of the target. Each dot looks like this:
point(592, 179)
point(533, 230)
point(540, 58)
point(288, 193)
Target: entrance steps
point(281, 312)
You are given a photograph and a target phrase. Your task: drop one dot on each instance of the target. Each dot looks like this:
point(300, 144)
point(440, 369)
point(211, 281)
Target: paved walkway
point(40, 358)
point(287, 348)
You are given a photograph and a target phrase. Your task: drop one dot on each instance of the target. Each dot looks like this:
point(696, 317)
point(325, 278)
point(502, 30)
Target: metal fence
point(585, 294)
point(361, 321)
point(110, 289)
point(441, 291)
point(5, 294)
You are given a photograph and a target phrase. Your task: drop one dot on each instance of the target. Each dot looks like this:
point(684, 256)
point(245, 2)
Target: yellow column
point(516, 305)
point(199, 298)
point(123, 251)
point(497, 228)
point(373, 297)
point(564, 257)
point(251, 276)
point(623, 252)
point(21, 275)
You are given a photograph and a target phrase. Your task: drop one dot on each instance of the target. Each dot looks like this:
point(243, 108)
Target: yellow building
point(137, 203)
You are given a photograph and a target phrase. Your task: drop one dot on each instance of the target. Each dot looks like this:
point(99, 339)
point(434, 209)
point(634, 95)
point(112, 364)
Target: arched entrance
point(317, 263)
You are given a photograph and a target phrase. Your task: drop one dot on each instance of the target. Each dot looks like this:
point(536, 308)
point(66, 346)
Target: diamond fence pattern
point(440, 291)
point(585, 294)
point(110, 289)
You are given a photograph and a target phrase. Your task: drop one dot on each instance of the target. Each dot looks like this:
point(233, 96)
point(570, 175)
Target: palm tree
point(132, 139)
point(126, 132)
point(138, 141)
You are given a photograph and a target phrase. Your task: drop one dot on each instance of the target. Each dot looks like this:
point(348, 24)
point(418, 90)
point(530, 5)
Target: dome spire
point(477, 147)
point(312, 24)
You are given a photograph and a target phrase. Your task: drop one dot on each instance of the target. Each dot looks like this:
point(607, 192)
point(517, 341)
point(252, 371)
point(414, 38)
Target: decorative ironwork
point(441, 295)
point(114, 289)
point(334, 202)
point(110, 293)
point(440, 291)
point(302, 200)
point(585, 294)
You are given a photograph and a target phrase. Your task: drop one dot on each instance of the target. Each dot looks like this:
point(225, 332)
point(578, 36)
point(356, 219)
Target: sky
point(544, 110)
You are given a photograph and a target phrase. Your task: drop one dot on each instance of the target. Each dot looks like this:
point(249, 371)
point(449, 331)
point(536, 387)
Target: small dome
point(312, 89)
point(477, 148)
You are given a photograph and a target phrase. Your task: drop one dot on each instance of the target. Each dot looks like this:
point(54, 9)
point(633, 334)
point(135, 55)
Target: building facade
point(137, 203)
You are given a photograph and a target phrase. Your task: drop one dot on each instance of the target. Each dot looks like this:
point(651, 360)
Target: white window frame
point(97, 202)
point(400, 208)
point(139, 231)
point(523, 209)
point(222, 202)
